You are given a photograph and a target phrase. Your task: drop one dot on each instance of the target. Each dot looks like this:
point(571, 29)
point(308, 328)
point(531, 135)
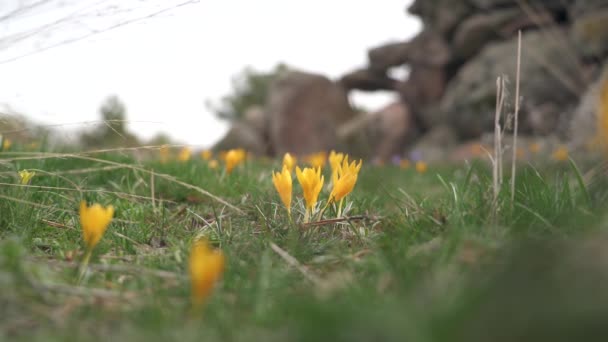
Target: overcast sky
point(166, 67)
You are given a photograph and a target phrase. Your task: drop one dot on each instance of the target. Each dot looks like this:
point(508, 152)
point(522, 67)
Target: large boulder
point(427, 59)
point(381, 134)
point(368, 79)
point(479, 29)
point(442, 15)
point(242, 135)
point(383, 57)
point(589, 125)
point(305, 110)
point(589, 32)
point(470, 99)
point(536, 5)
point(435, 145)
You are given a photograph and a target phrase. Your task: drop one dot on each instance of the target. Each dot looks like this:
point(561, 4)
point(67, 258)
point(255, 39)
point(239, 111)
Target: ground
point(430, 257)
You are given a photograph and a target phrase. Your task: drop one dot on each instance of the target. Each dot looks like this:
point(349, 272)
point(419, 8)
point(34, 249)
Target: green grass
point(435, 260)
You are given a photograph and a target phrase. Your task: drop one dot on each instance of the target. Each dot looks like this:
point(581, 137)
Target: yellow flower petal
point(289, 161)
point(94, 221)
point(311, 181)
point(283, 183)
point(206, 266)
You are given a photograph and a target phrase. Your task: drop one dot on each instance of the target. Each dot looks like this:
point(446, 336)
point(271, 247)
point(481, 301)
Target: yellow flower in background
point(335, 161)
point(25, 176)
point(421, 167)
point(206, 155)
point(282, 182)
point(213, 164)
point(164, 153)
point(560, 154)
point(347, 175)
point(33, 146)
point(520, 153)
point(602, 115)
point(184, 154)
point(534, 147)
point(477, 149)
point(6, 144)
point(289, 161)
point(311, 181)
point(94, 221)
point(317, 160)
point(233, 158)
point(405, 164)
point(206, 267)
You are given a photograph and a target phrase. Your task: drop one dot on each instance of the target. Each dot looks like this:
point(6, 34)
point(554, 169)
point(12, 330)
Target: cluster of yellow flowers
point(231, 158)
point(420, 166)
point(206, 265)
point(344, 177)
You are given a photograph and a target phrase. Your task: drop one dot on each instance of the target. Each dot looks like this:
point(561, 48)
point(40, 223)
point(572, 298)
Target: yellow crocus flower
point(6, 143)
point(282, 182)
point(560, 154)
point(94, 221)
point(317, 160)
point(206, 155)
point(534, 147)
point(405, 164)
point(311, 181)
point(233, 158)
point(347, 175)
point(213, 164)
point(289, 161)
point(421, 167)
point(335, 161)
point(25, 176)
point(206, 266)
point(184, 154)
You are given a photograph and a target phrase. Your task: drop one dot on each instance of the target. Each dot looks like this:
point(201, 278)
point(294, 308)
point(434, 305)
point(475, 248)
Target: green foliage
point(435, 260)
point(249, 88)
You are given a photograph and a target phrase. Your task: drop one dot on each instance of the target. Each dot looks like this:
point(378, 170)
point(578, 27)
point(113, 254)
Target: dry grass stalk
point(497, 162)
point(516, 118)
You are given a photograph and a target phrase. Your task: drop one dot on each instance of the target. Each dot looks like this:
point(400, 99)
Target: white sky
point(165, 68)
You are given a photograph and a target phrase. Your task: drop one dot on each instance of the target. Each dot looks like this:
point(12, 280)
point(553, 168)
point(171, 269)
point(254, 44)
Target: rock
point(442, 15)
point(427, 48)
point(590, 33)
point(242, 135)
point(479, 29)
point(424, 87)
point(583, 7)
point(394, 127)
point(536, 5)
point(469, 101)
point(304, 110)
point(367, 79)
point(585, 129)
point(435, 144)
point(383, 57)
point(256, 118)
point(381, 134)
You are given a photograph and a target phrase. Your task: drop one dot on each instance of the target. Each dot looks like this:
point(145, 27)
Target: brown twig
point(339, 220)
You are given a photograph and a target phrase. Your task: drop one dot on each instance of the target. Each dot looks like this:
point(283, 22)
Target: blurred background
point(376, 79)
